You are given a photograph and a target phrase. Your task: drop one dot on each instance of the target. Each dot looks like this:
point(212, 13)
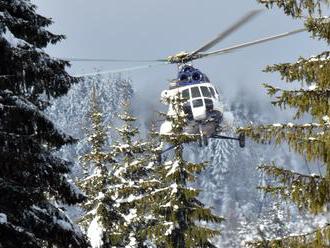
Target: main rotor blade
point(120, 70)
point(252, 43)
point(112, 60)
point(6, 76)
point(227, 32)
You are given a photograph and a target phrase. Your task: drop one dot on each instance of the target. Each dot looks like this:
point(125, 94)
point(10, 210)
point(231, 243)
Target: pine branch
point(316, 239)
point(313, 101)
point(319, 27)
point(315, 69)
point(311, 192)
point(295, 8)
point(310, 140)
point(40, 40)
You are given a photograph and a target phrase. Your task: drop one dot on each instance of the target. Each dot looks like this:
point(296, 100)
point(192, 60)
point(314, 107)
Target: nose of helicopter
point(199, 113)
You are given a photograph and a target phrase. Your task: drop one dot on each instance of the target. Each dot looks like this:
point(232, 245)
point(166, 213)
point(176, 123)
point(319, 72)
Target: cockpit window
point(185, 94)
point(195, 92)
point(205, 91)
point(212, 91)
point(197, 103)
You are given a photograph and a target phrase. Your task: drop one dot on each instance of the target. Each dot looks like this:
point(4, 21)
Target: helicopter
point(202, 105)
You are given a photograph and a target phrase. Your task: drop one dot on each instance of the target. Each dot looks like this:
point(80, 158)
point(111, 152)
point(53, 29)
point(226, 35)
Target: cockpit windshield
point(212, 91)
point(195, 92)
point(205, 91)
point(185, 94)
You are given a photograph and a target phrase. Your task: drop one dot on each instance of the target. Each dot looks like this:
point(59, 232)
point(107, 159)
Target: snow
point(323, 57)
point(326, 119)
point(290, 124)
point(119, 171)
point(96, 173)
point(12, 40)
point(166, 128)
point(277, 125)
point(170, 228)
point(174, 187)
point(3, 218)
point(166, 205)
point(100, 196)
point(39, 209)
point(122, 148)
point(130, 198)
point(95, 233)
point(149, 217)
point(132, 241)
point(312, 86)
point(132, 215)
point(150, 165)
point(173, 169)
point(64, 224)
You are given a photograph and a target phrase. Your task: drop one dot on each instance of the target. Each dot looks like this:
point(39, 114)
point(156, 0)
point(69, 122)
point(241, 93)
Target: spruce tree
point(181, 218)
point(134, 171)
point(101, 213)
point(309, 192)
point(117, 178)
point(32, 179)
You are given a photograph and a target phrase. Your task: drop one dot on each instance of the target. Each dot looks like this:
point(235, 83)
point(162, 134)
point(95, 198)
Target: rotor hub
point(180, 57)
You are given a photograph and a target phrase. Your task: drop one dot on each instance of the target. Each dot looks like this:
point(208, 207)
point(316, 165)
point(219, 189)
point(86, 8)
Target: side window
point(195, 92)
point(208, 102)
point(212, 91)
point(185, 94)
point(205, 91)
point(197, 103)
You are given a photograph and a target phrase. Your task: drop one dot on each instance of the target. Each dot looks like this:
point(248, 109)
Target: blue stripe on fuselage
point(185, 83)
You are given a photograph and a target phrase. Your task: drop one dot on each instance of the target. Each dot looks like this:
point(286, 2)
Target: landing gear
point(200, 141)
point(159, 158)
point(241, 140)
point(206, 141)
point(203, 139)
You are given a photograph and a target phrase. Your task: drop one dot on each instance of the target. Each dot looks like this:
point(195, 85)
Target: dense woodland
point(127, 194)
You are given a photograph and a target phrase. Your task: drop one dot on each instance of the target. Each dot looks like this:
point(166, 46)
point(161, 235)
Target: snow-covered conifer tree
point(134, 171)
point(101, 218)
point(117, 178)
point(309, 192)
point(181, 218)
point(32, 179)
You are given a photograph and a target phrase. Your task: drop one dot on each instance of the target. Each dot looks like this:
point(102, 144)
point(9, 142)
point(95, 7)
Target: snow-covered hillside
point(70, 112)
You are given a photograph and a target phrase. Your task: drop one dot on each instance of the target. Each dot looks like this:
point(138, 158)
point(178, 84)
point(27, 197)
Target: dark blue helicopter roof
point(189, 75)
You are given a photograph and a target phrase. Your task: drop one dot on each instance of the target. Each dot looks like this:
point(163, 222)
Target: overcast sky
point(147, 29)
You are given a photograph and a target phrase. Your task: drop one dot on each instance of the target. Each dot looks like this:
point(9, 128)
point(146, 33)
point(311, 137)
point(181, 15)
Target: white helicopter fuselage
point(202, 106)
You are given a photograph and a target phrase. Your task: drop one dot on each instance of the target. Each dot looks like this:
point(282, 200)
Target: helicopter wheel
point(200, 141)
point(241, 140)
point(201, 136)
point(159, 158)
point(205, 141)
